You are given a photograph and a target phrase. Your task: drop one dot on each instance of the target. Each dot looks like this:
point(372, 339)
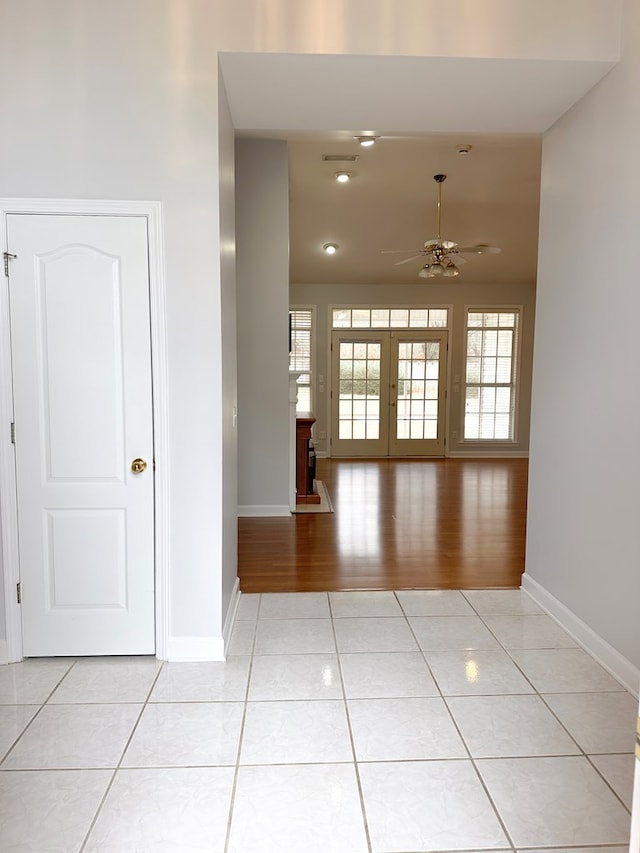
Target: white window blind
point(490, 380)
point(301, 354)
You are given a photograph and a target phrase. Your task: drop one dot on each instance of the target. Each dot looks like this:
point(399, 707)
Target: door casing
point(157, 302)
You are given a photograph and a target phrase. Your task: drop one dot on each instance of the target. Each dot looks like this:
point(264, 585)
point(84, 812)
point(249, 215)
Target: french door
point(388, 393)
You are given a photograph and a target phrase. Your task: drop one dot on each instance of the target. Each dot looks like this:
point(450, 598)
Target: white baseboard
point(182, 649)
point(488, 454)
point(231, 615)
point(206, 648)
point(264, 511)
point(4, 652)
point(622, 669)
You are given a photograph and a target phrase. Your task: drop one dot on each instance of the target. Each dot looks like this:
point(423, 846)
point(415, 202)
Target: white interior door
point(79, 305)
point(388, 393)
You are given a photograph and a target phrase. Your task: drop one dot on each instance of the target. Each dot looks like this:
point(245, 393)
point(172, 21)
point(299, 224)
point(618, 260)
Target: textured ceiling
point(491, 195)
point(422, 107)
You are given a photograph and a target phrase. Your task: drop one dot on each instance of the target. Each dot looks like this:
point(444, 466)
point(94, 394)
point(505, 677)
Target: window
point(300, 355)
point(389, 318)
point(490, 386)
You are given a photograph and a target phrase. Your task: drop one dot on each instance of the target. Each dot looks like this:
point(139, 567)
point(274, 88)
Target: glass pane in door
point(417, 400)
point(359, 400)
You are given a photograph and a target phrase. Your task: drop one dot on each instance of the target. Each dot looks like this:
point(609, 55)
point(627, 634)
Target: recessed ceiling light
point(343, 177)
point(330, 248)
point(367, 141)
point(463, 149)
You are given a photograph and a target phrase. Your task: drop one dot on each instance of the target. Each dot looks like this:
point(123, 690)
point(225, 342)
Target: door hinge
point(13, 433)
point(7, 257)
point(19, 592)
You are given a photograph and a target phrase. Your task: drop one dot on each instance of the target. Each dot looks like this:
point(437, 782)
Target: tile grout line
point(103, 799)
point(42, 704)
point(354, 762)
point(501, 646)
point(501, 822)
point(536, 693)
point(5, 755)
point(605, 780)
point(356, 767)
point(582, 753)
point(236, 772)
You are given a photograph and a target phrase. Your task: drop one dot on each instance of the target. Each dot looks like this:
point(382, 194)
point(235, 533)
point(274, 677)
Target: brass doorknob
point(138, 466)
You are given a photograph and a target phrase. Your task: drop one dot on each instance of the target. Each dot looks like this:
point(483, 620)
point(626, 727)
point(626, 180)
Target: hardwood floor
point(398, 524)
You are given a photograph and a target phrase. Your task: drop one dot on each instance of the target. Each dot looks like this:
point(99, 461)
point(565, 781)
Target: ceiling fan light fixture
point(343, 177)
point(441, 253)
point(330, 248)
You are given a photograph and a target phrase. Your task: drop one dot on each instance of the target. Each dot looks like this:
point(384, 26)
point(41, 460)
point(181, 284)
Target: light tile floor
point(344, 723)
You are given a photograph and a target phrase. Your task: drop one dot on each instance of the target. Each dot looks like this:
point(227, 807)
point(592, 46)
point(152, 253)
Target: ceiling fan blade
point(396, 251)
point(480, 249)
point(406, 260)
point(456, 258)
point(447, 245)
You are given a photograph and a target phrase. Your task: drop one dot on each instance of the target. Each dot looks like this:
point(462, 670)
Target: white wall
point(262, 235)
point(115, 101)
point(459, 295)
point(3, 620)
point(585, 467)
point(229, 448)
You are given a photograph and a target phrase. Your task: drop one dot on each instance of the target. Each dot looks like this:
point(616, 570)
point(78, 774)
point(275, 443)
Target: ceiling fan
point(442, 257)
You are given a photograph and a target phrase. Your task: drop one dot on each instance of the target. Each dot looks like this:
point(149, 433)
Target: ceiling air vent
point(340, 158)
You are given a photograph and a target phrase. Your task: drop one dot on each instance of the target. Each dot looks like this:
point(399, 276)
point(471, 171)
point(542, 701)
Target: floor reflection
point(358, 529)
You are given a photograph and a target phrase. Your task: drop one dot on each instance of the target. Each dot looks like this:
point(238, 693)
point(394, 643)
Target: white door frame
point(152, 210)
